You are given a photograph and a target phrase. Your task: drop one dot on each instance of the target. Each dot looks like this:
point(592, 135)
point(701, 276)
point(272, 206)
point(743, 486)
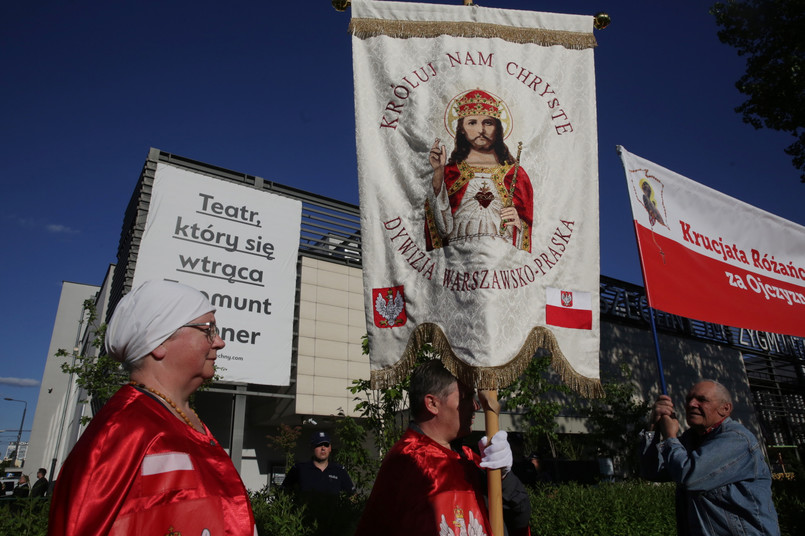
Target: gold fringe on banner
point(486, 377)
point(365, 28)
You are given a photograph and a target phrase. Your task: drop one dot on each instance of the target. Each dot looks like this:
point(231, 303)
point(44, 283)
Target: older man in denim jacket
point(723, 481)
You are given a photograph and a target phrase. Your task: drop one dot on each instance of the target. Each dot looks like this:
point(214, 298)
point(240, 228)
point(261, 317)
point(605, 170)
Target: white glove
point(497, 454)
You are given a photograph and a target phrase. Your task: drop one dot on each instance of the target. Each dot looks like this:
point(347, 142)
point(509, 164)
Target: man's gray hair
point(722, 391)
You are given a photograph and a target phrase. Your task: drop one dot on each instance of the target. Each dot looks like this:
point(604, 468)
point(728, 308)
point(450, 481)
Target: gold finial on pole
point(341, 5)
point(600, 20)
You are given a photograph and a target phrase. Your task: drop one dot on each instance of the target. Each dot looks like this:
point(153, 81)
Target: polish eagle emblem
point(460, 525)
point(389, 307)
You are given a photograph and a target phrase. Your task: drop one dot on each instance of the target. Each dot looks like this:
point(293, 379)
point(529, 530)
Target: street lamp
point(19, 434)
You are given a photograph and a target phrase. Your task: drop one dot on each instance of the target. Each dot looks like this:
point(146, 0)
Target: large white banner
point(477, 160)
point(238, 246)
point(714, 258)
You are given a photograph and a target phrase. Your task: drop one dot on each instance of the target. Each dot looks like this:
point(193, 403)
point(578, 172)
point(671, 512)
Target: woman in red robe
point(147, 464)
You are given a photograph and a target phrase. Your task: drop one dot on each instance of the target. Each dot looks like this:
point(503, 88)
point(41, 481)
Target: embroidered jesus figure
point(480, 192)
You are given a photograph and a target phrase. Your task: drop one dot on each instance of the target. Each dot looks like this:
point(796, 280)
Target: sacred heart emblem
point(484, 196)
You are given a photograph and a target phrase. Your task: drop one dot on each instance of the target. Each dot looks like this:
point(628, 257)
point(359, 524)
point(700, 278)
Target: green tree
point(354, 456)
point(533, 394)
point(382, 411)
point(286, 440)
point(770, 34)
point(24, 516)
point(278, 514)
point(99, 376)
point(383, 420)
point(615, 421)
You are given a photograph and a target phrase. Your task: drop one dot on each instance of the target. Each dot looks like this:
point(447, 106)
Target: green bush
point(789, 500)
point(280, 513)
point(277, 514)
point(24, 517)
point(616, 509)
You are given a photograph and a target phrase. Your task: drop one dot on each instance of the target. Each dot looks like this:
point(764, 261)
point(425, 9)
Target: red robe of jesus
point(456, 180)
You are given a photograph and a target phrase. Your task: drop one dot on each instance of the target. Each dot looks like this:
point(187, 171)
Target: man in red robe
point(481, 191)
point(429, 487)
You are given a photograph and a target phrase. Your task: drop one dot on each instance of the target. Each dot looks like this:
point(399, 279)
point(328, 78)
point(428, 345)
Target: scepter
point(510, 201)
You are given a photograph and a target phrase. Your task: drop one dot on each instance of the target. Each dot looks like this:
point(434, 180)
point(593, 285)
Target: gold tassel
point(486, 377)
point(365, 28)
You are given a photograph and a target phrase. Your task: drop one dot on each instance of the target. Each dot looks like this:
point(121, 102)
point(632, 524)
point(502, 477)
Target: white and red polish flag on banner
point(711, 257)
point(443, 97)
point(568, 309)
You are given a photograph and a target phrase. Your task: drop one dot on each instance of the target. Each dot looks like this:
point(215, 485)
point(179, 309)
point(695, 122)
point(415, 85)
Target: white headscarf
point(148, 315)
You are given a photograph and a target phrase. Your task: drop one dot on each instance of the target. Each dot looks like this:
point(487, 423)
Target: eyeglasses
point(211, 331)
point(322, 445)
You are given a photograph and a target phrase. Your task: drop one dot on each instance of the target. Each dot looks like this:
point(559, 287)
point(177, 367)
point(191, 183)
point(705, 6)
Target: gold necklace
point(170, 402)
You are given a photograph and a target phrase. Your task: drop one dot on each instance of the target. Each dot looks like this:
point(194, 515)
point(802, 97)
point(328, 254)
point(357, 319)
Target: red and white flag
point(568, 309)
point(711, 257)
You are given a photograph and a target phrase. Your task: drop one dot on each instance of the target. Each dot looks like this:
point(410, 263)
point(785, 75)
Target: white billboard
point(239, 246)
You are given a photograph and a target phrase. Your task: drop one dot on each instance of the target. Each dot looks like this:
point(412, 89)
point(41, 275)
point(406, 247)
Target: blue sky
point(265, 88)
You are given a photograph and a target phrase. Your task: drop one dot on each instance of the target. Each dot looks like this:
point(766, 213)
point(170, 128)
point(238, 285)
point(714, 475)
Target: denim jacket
point(723, 481)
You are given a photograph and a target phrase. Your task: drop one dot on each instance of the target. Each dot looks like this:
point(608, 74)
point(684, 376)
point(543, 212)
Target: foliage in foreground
point(635, 507)
point(276, 514)
point(789, 500)
point(101, 377)
point(614, 422)
point(609, 509)
point(279, 513)
point(24, 517)
point(527, 394)
point(623, 509)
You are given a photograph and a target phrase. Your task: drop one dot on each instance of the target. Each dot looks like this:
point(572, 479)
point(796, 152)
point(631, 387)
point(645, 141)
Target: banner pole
point(489, 401)
point(660, 370)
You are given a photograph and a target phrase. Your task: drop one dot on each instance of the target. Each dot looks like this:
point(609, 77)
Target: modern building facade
point(56, 421)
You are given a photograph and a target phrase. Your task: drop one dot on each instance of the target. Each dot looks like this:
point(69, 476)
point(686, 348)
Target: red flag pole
point(489, 401)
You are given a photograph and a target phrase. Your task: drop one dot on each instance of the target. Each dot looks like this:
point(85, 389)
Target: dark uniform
point(305, 477)
point(321, 490)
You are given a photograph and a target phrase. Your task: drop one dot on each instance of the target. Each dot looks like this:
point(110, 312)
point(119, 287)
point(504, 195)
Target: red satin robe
point(456, 177)
point(137, 469)
point(423, 488)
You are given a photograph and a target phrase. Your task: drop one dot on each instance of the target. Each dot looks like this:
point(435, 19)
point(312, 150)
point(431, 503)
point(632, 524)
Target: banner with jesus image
point(477, 161)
